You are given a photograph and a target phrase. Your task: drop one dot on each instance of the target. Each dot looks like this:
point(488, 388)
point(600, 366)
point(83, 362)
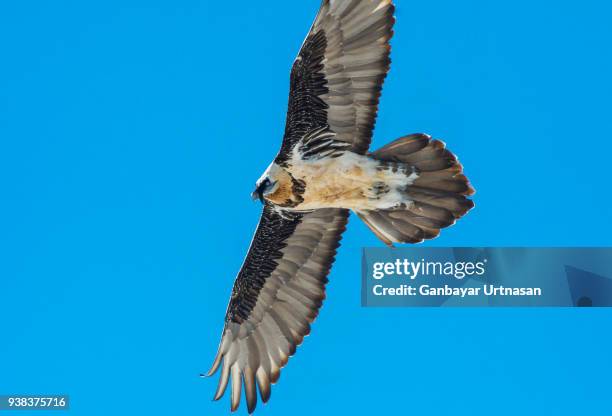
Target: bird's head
point(267, 184)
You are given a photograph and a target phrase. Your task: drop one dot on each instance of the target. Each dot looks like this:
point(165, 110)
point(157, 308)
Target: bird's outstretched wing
point(276, 296)
point(336, 82)
point(337, 78)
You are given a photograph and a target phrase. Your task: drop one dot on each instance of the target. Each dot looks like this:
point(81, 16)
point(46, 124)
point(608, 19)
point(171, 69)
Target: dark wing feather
point(337, 78)
point(276, 296)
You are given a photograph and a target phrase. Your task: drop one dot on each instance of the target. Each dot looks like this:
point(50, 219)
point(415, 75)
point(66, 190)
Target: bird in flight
point(405, 192)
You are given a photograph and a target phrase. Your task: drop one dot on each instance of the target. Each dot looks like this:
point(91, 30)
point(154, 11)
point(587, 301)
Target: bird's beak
point(262, 189)
point(257, 194)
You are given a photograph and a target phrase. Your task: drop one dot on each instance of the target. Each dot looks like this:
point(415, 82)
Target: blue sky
point(132, 133)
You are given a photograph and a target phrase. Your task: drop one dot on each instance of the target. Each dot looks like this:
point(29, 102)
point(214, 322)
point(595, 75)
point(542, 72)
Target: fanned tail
point(435, 199)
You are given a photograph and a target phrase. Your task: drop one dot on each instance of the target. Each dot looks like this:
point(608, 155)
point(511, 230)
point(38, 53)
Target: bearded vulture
point(405, 192)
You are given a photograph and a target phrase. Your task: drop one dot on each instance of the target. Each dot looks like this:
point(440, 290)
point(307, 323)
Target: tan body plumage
point(349, 181)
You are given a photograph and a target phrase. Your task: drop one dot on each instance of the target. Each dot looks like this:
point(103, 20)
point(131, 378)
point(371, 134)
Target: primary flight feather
point(405, 192)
